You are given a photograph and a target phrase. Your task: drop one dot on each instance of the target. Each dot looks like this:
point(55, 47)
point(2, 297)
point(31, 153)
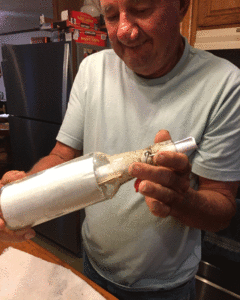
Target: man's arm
point(211, 207)
point(61, 153)
point(166, 187)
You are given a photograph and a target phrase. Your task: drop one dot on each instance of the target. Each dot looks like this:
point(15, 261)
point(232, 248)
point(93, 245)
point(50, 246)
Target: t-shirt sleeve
point(218, 154)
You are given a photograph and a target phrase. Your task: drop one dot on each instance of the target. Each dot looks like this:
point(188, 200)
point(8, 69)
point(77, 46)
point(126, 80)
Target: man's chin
point(137, 66)
point(142, 70)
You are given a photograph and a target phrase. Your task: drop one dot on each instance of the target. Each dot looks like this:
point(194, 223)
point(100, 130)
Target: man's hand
point(12, 176)
point(7, 235)
point(166, 187)
point(165, 183)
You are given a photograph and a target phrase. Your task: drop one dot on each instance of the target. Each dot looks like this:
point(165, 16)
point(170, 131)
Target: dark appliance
point(38, 80)
point(218, 274)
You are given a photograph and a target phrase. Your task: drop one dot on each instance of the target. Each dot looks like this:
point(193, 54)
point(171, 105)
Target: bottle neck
point(118, 166)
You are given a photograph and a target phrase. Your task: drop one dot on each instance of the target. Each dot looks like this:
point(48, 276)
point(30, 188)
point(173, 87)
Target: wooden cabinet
point(218, 13)
point(186, 25)
point(189, 23)
point(210, 14)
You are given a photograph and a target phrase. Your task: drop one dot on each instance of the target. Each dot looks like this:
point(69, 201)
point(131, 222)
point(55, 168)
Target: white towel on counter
point(24, 276)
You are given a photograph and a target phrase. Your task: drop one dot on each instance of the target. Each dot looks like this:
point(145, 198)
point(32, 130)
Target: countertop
point(38, 251)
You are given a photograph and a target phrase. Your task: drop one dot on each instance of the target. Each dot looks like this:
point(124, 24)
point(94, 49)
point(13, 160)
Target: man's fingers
point(160, 175)
point(12, 176)
point(2, 224)
point(158, 208)
point(156, 191)
point(15, 238)
point(8, 235)
point(161, 136)
point(161, 201)
point(164, 183)
point(176, 161)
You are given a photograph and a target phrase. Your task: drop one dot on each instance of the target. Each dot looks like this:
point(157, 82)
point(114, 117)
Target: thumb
point(161, 136)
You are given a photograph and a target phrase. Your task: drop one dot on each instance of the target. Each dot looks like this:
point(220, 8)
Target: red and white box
point(79, 18)
point(89, 36)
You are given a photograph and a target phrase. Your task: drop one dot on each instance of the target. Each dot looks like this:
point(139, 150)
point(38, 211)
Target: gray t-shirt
point(112, 110)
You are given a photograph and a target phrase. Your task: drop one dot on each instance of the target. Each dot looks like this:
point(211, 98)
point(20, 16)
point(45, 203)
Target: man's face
point(145, 33)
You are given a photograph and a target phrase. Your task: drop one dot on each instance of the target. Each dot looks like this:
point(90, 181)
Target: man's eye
point(141, 11)
point(111, 18)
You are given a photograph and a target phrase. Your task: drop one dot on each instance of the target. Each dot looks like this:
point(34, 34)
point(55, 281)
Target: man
point(153, 79)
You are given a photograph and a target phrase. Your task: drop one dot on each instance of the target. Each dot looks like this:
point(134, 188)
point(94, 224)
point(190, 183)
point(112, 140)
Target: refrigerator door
point(65, 231)
point(37, 81)
point(30, 140)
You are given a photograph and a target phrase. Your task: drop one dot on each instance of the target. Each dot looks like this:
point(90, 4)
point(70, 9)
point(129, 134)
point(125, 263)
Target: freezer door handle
point(65, 78)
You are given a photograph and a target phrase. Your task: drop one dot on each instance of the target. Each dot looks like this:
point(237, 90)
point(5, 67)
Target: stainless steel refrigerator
point(38, 79)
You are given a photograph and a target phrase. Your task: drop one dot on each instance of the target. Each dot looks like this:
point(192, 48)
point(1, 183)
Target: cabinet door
point(212, 13)
point(189, 23)
point(186, 24)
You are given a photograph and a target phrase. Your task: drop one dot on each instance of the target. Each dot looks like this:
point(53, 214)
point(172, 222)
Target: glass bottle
point(74, 185)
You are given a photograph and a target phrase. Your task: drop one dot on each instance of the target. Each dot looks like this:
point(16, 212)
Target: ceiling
point(17, 15)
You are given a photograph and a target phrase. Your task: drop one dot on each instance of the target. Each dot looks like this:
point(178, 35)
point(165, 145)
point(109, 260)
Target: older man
point(147, 245)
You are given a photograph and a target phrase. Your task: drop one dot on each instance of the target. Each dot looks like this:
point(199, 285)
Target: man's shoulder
point(210, 60)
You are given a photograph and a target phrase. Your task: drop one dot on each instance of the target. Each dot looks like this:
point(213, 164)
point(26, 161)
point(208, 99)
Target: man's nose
point(127, 29)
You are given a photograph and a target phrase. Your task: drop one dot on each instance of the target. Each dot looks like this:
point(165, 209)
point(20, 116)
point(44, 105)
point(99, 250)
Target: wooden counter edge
point(40, 252)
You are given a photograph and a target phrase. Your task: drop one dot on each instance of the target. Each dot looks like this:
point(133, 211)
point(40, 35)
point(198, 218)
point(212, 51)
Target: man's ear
point(184, 5)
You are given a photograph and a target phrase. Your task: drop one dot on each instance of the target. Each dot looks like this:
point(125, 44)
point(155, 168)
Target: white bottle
point(74, 185)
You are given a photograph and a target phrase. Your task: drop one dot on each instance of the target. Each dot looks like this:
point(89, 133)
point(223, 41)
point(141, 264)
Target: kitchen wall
point(214, 39)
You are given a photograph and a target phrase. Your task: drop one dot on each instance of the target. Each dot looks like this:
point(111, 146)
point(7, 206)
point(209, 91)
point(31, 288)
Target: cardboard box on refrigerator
point(79, 18)
point(89, 36)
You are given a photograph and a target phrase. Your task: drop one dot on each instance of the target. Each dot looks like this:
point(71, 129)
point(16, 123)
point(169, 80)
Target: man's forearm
point(206, 210)
point(46, 163)
point(60, 154)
